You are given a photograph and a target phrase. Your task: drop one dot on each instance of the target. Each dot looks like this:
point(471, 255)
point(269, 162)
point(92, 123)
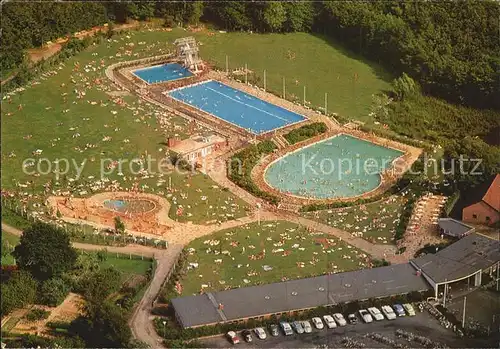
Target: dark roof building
point(454, 228)
point(257, 301)
point(468, 257)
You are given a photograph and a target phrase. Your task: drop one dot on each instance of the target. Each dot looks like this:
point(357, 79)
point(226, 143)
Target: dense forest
point(451, 48)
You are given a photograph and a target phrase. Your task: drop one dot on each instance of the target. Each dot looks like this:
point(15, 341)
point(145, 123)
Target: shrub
point(37, 314)
point(305, 132)
point(53, 292)
point(241, 165)
point(17, 292)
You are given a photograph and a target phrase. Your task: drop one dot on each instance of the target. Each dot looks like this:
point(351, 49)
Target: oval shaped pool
point(341, 166)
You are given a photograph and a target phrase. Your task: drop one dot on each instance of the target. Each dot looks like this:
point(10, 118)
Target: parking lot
point(422, 324)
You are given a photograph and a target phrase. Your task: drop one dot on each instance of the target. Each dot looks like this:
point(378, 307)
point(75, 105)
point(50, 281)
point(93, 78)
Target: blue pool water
point(235, 106)
point(162, 73)
point(341, 166)
point(129, 205)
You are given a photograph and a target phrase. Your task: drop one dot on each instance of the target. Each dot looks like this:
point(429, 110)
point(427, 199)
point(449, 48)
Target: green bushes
point(53, 292)
point(18, 291)
point(305, 132)
point(450, 203)
point(241, 165)
point(37, 314)
point(405, 219)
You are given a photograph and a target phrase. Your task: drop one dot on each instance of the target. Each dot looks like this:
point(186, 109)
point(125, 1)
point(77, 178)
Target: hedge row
point(450, 203)
point(405, 218)
point(241, 166)
point(305, 132)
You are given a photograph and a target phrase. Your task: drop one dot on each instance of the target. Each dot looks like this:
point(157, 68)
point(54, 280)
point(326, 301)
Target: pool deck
point(388, 176)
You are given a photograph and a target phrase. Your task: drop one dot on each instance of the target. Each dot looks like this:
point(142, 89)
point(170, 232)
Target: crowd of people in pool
point(310, 186)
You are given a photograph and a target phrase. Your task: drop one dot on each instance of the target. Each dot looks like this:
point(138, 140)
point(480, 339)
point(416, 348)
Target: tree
point(100, 284)
point(194, 12)
point(119, 226)
point(405, 86)
point(274, 16)
point(17, 292)
point(104, 327)
point(53, 291)
point(45, 251)
point(299, 16)
point(85, 265)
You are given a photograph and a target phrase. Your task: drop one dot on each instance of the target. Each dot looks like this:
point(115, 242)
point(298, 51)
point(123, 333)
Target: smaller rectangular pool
point(162, 73)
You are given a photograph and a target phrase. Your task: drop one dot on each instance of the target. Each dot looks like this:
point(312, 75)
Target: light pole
point(164, 329)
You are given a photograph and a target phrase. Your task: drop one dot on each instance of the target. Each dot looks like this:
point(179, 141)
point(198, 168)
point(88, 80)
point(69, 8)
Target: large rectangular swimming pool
point(163, 73)
point(236, 107)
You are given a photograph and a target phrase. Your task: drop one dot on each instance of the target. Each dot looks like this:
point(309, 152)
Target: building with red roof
point(487, 210)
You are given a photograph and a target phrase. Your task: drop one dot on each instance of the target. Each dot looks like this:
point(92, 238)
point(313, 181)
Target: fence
point(260, 81)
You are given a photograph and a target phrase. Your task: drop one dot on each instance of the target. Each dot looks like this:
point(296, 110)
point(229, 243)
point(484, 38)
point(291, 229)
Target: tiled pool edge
point(274, 130)
point(158, 82)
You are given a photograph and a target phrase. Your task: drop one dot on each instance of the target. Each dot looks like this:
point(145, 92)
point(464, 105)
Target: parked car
point(388, 312)
point(375, 313)
point(329, 321)
point(297, 326)
point(409, 309)
point(339, 318)
point(260, 333)
point(274, 330)
point(233, 338)
point(353, 320)
point(318, 323)
point(287, 329)
point(307, 326)
point(247, 336)
point(365, 315)
point(400, 311)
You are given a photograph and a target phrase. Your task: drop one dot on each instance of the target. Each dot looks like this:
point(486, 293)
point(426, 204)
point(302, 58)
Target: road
point(422, 324)
point(140, 322)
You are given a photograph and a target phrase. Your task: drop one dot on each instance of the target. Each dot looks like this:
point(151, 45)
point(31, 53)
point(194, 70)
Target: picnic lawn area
point(375, 222)
point(240, 256)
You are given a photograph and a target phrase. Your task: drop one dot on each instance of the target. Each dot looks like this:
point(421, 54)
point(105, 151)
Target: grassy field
point(303, 60)
point(375, 222)
point(127, 265)
point(236, 257)
point(70, 114)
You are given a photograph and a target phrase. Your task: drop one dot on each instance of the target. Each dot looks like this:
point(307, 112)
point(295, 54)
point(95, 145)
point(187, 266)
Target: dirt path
point(141, 321)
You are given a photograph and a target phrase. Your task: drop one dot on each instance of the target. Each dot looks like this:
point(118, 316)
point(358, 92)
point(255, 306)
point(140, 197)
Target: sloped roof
point(492, 196)
point(454, 227)
point(247, 302)
point(463, 258)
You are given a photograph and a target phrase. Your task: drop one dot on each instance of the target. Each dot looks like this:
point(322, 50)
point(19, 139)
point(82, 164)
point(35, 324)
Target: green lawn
point(375, 222)
point(303, 60)
point(230, 258)
point(10, 241)
point(127, 265)
point(93, 129)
